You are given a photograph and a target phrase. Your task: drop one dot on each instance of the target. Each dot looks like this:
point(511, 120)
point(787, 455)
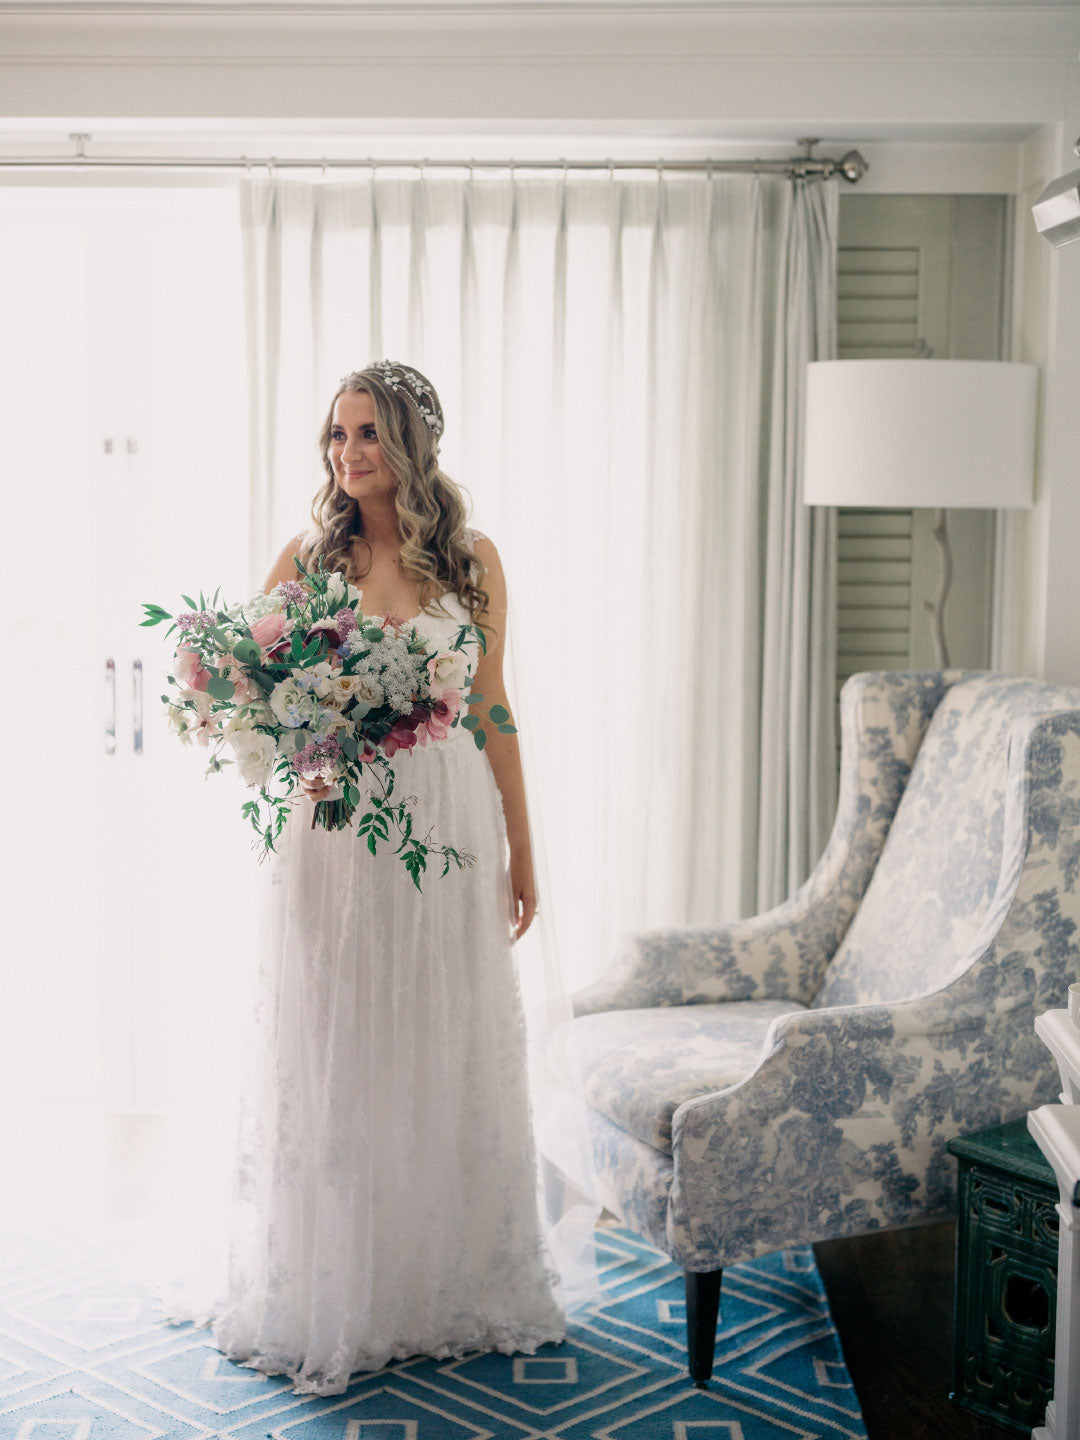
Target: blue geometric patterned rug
point(83, 1356)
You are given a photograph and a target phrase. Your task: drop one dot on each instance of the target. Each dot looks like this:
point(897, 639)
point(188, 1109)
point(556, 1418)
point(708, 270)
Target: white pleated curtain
point(621, 364)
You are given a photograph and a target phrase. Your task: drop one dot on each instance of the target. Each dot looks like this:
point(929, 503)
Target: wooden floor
point(891, 1296)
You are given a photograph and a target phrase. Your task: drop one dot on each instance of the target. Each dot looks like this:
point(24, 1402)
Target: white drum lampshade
point(909, 433)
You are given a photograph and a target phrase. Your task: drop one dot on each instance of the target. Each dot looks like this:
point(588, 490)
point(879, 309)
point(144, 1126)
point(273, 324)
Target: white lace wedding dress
point(385, 1194)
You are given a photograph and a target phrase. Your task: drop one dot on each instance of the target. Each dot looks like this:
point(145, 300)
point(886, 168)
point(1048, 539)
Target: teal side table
point(1006, 1276)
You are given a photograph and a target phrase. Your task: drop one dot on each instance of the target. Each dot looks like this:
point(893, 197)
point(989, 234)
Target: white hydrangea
point(255, 608)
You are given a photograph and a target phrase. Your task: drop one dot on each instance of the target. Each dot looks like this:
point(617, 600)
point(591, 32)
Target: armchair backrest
point(940, 865)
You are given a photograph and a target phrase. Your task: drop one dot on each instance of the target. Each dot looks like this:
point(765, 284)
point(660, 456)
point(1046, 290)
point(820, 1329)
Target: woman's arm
point(502, 750)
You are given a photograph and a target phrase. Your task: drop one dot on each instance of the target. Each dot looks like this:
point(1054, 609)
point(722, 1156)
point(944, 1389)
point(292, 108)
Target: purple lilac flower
point(314, 756)
point(345, 621)
point(196, 619)
point(292, 592)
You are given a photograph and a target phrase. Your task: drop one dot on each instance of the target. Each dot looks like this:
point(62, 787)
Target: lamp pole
point(936, 607)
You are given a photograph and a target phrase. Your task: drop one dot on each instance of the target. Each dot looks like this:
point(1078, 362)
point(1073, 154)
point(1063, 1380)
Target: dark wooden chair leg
point(702, 1308)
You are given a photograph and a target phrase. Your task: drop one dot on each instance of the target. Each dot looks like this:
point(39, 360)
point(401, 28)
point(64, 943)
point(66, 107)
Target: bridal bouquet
point(300, 682)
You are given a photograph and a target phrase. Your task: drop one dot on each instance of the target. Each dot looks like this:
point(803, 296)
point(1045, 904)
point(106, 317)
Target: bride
point(385, 1200)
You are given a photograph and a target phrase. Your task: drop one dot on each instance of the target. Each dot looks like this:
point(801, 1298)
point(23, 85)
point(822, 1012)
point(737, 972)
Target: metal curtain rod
point(851, 166)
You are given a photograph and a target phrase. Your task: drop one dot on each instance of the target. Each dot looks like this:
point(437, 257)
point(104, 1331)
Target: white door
point(129, 877)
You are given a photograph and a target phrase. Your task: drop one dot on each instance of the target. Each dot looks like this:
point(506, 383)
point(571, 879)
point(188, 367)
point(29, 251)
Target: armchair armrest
point(833, 1133)
point(782, 954)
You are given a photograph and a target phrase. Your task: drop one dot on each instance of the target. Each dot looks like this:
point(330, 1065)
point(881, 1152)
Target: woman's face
point(360, 468)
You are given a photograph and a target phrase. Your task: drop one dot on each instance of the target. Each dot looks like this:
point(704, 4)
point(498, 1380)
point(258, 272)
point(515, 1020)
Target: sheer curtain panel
point(621, 362)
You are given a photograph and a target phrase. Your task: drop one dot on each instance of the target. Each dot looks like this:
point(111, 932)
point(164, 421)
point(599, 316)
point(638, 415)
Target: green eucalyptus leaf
point(220, 689)
point(499, 714)
point(470, 721)
point(507, 729)
point(247, 652)
point(480, 738)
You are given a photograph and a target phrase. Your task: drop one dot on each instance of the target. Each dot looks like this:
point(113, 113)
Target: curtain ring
point(247, 167)
point(270, 168)
point(610, 171)
point(371, 167)
point(323, 176)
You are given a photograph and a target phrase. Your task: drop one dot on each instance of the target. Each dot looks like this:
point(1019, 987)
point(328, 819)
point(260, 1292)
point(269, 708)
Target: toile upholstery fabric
point(794, 1076)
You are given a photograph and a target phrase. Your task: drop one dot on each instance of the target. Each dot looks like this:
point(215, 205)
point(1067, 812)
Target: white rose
point(447, 672)
point(343, 688)
point(291, 703)
point(255, 755)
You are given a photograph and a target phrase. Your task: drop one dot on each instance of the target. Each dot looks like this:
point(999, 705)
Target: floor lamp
point(910, 433)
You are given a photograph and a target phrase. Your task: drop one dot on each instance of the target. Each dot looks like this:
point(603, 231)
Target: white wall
point(974, 98)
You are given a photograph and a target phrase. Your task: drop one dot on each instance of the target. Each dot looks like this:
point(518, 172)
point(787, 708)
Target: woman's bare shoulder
point(283, 567)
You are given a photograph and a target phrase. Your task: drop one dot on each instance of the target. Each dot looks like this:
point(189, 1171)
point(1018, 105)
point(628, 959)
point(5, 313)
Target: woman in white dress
point(385, 1200)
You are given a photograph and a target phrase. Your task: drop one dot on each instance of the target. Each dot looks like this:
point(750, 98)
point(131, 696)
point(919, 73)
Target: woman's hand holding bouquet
point(305, 689)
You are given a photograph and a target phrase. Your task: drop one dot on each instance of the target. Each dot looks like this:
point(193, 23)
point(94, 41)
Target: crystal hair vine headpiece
point(409, 383)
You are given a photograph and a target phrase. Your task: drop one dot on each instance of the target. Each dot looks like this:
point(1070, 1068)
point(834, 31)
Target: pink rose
point(190, 670)
point(270, 629)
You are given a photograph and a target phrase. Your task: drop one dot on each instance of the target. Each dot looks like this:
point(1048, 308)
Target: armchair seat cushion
point(638, 1066)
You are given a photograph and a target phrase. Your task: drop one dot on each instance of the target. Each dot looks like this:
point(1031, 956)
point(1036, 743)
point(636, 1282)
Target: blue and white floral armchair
point(794, 1077)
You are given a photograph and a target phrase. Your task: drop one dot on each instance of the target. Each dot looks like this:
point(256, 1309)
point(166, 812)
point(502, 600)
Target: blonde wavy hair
point(431, 511)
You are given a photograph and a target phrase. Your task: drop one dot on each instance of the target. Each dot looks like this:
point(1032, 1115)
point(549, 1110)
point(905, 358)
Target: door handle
point(110, 707)
point(136, 705)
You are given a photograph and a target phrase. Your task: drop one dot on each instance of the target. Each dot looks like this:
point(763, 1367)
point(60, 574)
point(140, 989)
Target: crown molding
point(539, 9)
point(845, 65)
point(505, 30)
